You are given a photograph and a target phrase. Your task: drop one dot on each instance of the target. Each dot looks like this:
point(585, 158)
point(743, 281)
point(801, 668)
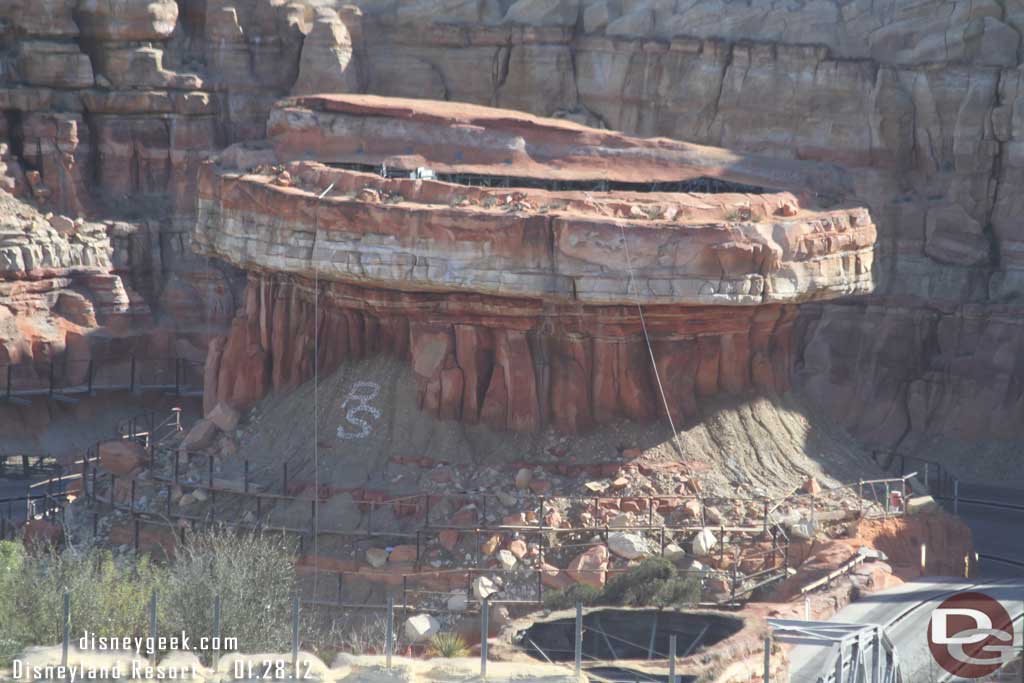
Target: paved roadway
point(906, 610)
point(996, 531)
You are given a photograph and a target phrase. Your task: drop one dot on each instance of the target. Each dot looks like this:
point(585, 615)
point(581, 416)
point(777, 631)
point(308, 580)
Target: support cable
point(316, 393)
point(631, 287)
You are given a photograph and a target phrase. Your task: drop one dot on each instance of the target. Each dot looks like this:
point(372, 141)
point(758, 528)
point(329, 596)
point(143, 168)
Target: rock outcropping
point(919, 102)
point(516, 305)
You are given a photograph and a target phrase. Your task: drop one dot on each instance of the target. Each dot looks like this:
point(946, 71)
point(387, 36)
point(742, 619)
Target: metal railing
point(67, 379)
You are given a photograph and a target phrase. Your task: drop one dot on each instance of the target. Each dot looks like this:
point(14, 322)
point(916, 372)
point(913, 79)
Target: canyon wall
point(920, 101)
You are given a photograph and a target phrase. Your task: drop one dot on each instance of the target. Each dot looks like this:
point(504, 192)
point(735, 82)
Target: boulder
point(200, 436)
point(376, 557)
point(483, 588)
point(919, 505)
point(506, 559)
point(674, 552)
point(590, 568)
point(518, 548)
point(458, 601)
point(421, 627)
point(402, 554)
point(224, 417)
point(628, 545)
point(553, 577)
point(523, 478)
point(122, 457)
point(703, 542)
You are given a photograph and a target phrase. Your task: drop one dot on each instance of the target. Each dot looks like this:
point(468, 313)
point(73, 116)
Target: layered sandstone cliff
point(919, 100)
point(516, 305)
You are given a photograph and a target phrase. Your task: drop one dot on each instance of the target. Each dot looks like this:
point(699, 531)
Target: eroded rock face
point(921, 102)
point(517, 307)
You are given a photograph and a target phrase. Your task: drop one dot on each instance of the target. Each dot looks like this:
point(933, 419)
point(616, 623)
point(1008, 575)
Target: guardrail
point(64, 380)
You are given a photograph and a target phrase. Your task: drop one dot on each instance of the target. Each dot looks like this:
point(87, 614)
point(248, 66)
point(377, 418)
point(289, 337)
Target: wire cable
point(316, 392)
point(631, 287)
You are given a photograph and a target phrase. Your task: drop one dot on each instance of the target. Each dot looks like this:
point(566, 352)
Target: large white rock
point(421, 627)
point(703, 542)
point(627, 545)
point(674, 553)
point(458, 601)
point(483, 588)
point(506, 559)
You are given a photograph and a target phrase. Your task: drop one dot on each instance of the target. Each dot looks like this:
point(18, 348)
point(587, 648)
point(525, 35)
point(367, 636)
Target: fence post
point(295, 635)
point(672, 658)
point(152, 628)
point(216, 630)
point(768, 658)
point(389, 634)
point(956, 496)
point(67, 628)
point(245, 476)
point(89, 372)
point(578, 646)
point(484, 632)
point(131, 380)
point(284, 483)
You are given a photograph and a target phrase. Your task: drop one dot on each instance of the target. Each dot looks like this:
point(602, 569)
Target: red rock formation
point(517, 307)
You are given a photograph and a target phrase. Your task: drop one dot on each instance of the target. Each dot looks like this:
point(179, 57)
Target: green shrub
point(255, 577)
point(568, 597)
point(655, 582)
point(447, 645)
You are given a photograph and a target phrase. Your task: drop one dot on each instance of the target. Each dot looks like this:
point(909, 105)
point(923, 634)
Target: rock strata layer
point(516, 306)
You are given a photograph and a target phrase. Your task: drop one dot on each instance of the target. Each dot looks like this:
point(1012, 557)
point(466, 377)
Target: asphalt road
point(996, 531)
point(906, 610)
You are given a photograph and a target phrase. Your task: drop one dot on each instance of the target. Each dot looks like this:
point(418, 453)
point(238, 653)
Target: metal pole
point(131, 383)
point(152, 628)
point(578, 647)
point(389, 634)
point(67, 628)
point(767, 658)
point(956, 496)
point(295, 634)
point(484, 632)
point(216, 629)
point(672, 658)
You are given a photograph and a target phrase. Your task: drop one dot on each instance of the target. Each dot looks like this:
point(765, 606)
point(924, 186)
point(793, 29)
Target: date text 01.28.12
point(271, 669)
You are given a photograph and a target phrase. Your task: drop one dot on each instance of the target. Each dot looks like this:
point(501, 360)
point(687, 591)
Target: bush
point(568, 597)
point(108, 596)
point(447, 645)
point(253, 574)
point(655, 582)
point(255, 577)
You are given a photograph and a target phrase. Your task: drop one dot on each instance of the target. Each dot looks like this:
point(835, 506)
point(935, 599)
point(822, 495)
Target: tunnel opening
point(703, 185)
point(613, 637)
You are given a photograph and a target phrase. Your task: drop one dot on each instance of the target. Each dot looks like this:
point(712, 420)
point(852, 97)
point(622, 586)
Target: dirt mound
point(368, 423)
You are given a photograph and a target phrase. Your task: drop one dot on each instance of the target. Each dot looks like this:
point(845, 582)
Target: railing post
point(389, 634)
point(216, 629)
point(152, 627)
point(131, 380)
point(88, 373)
point(284, 483)
point(578, 643)
point(672, 658)
point(295, 636)
point(767, 658)
point(67, 628)
point(484, 632)
point(956, 496)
